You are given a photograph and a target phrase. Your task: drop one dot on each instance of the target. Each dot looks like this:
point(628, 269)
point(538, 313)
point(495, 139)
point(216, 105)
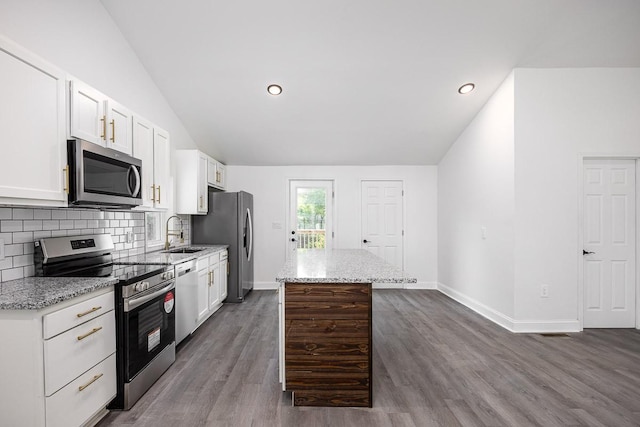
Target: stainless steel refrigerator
point(230, 222)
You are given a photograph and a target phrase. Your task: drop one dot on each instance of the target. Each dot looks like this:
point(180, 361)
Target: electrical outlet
point(544, 291)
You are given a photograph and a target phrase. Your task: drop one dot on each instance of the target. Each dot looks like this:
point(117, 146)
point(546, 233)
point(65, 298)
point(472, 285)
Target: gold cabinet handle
point(210, 277)
point(113, 131)
point(104, 127)
point(201, 199)
point(89, 311)
point(158, 194)
point(91, 381)
point(217, 176)
point(91, 332)
point(66, 179)
point(228, 267)
point(153, 193)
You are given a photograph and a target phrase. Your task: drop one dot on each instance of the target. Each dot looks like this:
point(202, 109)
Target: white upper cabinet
point(32, 129)
point(191, 182)
point(216, 174)
point(151, 145)
point(97, 118)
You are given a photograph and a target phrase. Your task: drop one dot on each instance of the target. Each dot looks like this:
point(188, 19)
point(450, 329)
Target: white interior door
point(310, 215)
point(382, 220)
point(609, 252)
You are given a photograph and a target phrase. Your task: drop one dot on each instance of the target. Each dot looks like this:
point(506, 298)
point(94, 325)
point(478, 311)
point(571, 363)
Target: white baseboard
point(265, 286)
point(518, 326)
point(421, 285)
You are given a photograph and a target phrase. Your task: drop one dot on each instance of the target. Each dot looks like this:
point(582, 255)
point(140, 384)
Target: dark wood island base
point(327, 343)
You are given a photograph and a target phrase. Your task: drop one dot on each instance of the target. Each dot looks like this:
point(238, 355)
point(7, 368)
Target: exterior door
point(609, 251)
point(310, 215)
point(382, 220)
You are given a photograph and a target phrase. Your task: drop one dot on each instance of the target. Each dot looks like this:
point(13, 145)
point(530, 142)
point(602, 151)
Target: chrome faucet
point(172, 232)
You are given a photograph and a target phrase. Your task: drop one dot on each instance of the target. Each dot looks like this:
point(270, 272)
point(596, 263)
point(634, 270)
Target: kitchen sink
point(183, 250)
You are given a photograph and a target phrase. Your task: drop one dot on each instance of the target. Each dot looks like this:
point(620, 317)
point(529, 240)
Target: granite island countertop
point(340, 266)
point(163, 258)
point(35, 293)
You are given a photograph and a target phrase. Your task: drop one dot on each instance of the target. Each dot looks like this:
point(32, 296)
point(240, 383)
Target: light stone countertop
point(34, 293)
point(162, 258)
point(340, 266)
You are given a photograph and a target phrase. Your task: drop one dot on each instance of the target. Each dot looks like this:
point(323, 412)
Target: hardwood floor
point(435, 363)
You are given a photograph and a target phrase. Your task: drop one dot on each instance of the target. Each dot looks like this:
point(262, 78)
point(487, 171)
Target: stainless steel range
point(145, 307)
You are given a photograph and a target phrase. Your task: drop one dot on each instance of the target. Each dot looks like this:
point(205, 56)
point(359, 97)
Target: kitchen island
point(325, 324)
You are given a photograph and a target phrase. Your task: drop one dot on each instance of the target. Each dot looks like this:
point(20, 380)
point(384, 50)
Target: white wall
point(476, 190)
point(269, 185)
point(562, 114)
point(79, 37)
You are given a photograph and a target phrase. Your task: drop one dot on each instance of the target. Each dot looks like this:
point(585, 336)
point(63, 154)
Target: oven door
point(102, 176)
point(149, 327)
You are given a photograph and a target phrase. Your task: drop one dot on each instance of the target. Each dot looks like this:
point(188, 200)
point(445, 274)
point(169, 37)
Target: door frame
point(581, 159)
point(333, 211)
point(404, 213)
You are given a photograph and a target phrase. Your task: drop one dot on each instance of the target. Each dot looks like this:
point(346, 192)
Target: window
point(154, 230)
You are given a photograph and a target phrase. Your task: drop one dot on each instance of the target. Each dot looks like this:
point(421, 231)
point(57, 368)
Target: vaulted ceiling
point(365, 82)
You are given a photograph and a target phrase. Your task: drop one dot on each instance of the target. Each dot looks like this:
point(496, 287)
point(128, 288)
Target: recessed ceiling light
point(466, 88)
point(274, 89)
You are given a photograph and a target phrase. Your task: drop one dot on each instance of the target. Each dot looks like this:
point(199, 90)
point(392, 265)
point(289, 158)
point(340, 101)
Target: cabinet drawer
point(300, 365)
point(82, 398)
point(77, 314)
point(327, 292)
point(326, 310)
point(332, 398)
point(339, 347)
point(223, 255)
point(70, 354)
point(309, 380)
point(305, 328)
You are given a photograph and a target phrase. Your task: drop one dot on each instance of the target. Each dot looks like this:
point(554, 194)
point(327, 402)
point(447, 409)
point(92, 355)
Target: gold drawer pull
point(89, 312)
point(93, 380)
point(91, 332)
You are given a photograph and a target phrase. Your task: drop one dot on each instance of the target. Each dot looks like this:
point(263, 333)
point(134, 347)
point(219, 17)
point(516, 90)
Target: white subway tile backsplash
point(74, 214)
point(21, 226)
point(23, 237)
point(12, 274)
point(58, 214)
point(32, 225)
point(23, 260)
point(66, 224)
point(51, 225)
point(13, 250)
point(21, 213)
point(42, 214)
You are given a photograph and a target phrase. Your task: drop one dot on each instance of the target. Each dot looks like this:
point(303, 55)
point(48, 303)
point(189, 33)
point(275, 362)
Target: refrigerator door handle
point(250, 223)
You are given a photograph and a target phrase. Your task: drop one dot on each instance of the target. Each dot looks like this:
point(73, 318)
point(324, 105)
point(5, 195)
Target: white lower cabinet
point(58, 367)
point(212, 284)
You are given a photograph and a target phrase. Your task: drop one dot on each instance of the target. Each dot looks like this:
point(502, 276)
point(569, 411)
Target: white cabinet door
point(161, 168)
point(224, 276)
point(119, 127)
point(32, 120)
point(211, 171)
point(143, 150)
point(221, 176)
point(203, 199)
point(214, 291)
point(203, 294)
point(88, 119)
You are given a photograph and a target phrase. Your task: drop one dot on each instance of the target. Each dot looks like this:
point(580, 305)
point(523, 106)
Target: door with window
point(382, 220)
point(310, 215)
point(609, 251)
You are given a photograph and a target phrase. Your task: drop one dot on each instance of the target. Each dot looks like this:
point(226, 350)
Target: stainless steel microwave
point(100, 177)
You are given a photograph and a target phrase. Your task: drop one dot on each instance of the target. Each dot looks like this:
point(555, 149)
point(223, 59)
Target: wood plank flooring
point(435, 363)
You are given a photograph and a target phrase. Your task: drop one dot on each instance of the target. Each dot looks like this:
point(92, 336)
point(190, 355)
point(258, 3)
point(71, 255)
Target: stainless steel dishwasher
point(186, 299)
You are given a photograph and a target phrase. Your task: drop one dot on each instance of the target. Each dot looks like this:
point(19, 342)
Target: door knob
point(365, 241)
point(293, 239)
point(293, 232)
point(587, 252)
